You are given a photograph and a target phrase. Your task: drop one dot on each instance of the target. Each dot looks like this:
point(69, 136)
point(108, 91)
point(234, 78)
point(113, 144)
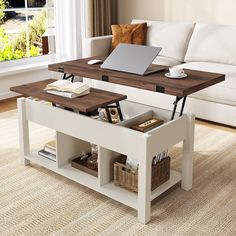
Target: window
point(26, 28)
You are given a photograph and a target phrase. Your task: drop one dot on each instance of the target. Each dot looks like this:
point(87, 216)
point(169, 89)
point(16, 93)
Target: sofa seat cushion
point(173, 37)
point(212, 43)
point(166, 61)
point(224, 92)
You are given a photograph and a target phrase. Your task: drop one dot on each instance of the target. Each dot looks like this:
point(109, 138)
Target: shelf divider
point(69, 147)
point(106, 158)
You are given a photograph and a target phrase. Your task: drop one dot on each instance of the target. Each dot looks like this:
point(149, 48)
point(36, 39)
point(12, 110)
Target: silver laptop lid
point(131, 58)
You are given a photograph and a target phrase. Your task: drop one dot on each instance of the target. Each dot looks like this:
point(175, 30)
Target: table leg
point(23, 131)
point(144, 190)
point(187, 160)
point(66, 77)
point(177, 99)
point(182, 107)
point(175, 107)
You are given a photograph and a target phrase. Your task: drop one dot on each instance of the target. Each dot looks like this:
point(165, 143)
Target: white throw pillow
point(212, 43)
point(173, 37)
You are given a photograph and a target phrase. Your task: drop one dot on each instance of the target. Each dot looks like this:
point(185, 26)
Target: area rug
point(35, 201)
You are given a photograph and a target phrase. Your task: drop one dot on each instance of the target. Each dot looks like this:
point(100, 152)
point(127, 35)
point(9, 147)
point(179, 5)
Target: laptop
point(133, 58)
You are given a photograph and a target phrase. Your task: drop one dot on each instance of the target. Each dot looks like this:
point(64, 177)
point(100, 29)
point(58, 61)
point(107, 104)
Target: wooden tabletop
point(95, 99)
point(157, 82)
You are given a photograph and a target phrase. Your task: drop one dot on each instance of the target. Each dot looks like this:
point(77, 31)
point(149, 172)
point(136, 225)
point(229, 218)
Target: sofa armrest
point(96, 46)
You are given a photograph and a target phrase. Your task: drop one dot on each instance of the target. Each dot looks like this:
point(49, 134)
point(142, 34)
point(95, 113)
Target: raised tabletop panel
point(95, 99)
point(195, 81)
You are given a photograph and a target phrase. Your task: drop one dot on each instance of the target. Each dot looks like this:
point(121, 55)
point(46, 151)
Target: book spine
point(62, 94)
point(49, 156)
point(50, 150)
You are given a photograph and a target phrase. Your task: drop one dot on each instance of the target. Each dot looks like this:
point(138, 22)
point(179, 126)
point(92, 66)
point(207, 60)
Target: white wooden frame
point(74, 132)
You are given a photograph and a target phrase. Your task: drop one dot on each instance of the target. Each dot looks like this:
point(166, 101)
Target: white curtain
point(69, 27)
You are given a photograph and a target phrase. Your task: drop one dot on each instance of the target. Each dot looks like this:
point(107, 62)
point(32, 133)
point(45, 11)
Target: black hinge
point(160, 89)
point(60, 69)
point(105, 78)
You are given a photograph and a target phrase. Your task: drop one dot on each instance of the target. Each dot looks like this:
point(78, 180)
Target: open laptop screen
point(131, 58)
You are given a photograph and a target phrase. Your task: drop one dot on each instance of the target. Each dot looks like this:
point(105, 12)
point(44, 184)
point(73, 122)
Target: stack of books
point(67, 89)
point(49, 150)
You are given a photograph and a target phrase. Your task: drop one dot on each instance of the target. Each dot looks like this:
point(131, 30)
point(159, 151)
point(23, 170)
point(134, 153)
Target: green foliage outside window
point(17, 48)
point(2, 13)
point(8, 52)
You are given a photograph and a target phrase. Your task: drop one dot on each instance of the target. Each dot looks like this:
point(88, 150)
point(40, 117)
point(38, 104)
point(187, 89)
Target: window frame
point(30, 60)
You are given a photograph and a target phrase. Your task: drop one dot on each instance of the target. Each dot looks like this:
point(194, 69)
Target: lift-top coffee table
point(75, 132)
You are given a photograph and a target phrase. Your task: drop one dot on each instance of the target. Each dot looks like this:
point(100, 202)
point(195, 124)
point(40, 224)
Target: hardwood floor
point(216, 126)
point(10, 104)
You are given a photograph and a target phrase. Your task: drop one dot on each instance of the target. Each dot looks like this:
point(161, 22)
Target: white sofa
point(194, 46)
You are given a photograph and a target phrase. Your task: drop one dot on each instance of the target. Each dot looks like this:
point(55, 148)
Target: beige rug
point(35, 201)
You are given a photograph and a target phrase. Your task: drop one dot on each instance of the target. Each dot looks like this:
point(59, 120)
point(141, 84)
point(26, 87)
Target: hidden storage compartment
point(135, 122)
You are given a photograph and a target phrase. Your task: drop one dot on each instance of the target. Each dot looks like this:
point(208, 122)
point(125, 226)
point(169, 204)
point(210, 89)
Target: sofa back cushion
point(129, 33)
point(212, 43)
point(173, 37)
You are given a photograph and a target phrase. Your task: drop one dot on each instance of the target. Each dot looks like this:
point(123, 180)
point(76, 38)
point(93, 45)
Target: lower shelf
point(66, 171)
point(175, 177)
point(42, 161)
point(115, 192)
point(131, 199)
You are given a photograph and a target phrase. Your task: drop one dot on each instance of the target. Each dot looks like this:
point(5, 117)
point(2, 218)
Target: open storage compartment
point(82, 163)
point(127, 177)
point(140, 118)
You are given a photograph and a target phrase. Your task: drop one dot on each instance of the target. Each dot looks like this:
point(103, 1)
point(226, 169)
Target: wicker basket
point(127, 178)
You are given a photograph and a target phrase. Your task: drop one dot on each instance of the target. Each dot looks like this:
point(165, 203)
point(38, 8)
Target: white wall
point(207, 11)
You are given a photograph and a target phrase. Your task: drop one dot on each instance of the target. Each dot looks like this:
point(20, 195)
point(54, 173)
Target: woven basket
point(127, 178)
